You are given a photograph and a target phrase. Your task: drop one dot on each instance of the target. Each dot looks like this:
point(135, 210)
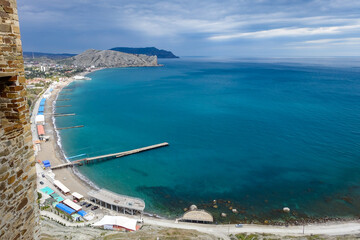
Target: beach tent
point(82, 213)
point(65, 208)
point(61, 186)
point(47, 190)
point(71, 204)
point(116, 222)
point(46, 163)
point(57, 197)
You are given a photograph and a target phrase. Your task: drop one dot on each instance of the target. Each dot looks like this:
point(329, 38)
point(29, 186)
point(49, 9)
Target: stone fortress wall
point(18, 209)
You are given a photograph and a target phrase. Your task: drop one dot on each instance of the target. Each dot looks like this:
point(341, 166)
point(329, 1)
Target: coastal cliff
point(109, 58)
point(150, 51)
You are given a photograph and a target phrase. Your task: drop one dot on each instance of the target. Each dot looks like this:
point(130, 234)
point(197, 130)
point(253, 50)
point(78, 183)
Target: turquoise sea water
point(254, 136)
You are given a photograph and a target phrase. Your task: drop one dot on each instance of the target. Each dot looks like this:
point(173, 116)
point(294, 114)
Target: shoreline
point(73, 180)
point(59, 150)
point(52, 150)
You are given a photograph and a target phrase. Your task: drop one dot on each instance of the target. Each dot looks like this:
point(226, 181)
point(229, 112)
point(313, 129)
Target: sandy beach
point(51, 151)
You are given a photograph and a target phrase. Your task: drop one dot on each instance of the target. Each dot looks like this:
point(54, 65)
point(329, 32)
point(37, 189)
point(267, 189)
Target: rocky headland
point(150, 51)
point(110, 59)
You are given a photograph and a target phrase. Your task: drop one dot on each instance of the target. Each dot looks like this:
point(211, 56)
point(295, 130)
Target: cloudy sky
point(237, 28)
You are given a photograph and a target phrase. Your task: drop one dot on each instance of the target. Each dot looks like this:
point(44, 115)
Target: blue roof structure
point(65, 208)
point(42, 102)
point(40, 113)
point(46, 163)
point(82, 213)
point(41, 109)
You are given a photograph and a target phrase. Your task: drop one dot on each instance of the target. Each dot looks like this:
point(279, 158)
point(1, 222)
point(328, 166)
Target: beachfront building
point(117, 202)
point(118, 223)
point(77, 196)
point(65, 208)
point(63, 189)
point(40, 119)
point(72, 205)
point(41, 131)
point(197, 216)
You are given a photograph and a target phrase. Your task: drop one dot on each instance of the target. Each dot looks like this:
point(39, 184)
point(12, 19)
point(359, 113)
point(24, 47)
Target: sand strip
point(51, 151)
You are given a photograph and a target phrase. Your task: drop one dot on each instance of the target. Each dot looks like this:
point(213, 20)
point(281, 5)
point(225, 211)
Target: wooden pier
point(64, 115)
point(110, 156)
point(65, 99)
point(63, 106)
point(80, 126)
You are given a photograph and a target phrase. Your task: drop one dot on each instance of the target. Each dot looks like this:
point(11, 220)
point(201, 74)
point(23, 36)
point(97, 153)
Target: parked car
point(89, 205)
point(239, 225)
point(94, 208)
point(43, 175)
point(93, 200)
point(41, 182)
point(84, 203)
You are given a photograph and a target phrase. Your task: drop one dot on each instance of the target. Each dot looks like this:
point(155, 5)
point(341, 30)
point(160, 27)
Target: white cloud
point(286, 32)
point(327, 42)
point(205, 24)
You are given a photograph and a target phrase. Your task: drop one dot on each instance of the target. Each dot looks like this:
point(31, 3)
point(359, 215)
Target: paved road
point(225, 230)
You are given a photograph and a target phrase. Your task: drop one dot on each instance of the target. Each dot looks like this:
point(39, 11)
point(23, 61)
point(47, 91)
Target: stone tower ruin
point(18, 211)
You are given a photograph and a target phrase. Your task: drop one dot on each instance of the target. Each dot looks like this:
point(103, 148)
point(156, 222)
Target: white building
point(118, 223)
point(40, 119)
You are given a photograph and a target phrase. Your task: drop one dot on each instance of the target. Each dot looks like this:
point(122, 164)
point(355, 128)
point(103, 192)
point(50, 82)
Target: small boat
point(239, 225)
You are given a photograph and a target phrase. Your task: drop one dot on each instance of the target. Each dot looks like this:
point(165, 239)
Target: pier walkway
point(110, 156)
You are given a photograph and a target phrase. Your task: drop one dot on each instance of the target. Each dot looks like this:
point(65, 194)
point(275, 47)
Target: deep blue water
point(260, 135)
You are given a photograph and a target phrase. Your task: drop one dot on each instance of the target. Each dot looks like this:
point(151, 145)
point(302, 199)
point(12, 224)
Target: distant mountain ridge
point(110, 59)
point(150, 51)
point(54, 56)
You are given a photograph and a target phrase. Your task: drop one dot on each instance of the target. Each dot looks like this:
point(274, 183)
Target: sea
point(255, 135)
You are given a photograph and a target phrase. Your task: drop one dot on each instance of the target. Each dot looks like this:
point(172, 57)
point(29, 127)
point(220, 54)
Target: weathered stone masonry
point(18, 211)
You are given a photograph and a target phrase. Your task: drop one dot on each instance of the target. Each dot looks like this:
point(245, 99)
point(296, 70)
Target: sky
point(236, 28)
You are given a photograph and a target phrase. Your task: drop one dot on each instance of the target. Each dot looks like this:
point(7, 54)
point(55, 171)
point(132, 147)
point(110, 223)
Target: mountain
point(54, 56)
point(150, 51)
point(109, 58)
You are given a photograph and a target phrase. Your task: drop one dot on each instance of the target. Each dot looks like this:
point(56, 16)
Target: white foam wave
point(58, 142)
